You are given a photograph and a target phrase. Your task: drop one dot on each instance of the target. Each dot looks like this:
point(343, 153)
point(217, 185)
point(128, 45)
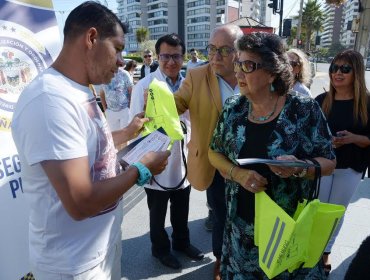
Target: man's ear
point(91, 37)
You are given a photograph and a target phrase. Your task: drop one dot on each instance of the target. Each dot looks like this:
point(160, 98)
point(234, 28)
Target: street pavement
point(138, 263)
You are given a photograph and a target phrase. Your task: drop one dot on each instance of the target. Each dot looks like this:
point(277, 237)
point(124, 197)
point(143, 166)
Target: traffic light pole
point(299, 27)
point(281, 18)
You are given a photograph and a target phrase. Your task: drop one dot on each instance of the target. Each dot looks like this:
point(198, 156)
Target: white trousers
point(108, 269)
point(339, 188)
point(117, 120)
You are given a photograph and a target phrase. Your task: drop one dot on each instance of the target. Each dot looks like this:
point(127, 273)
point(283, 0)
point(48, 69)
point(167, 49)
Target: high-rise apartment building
point(332, 25)
point(193, 20)
point(350, 14)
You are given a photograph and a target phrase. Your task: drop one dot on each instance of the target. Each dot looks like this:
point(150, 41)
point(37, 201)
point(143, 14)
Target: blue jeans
point(216, 200)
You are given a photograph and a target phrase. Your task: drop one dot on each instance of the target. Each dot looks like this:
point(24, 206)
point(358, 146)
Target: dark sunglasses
point(147, 55)
point(223, 51)
point(345, 68)
point(247, 66)
point(165, 57)
point(294, 63)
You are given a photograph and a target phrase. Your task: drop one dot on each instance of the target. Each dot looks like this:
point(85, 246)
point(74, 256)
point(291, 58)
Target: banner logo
point(22, 58)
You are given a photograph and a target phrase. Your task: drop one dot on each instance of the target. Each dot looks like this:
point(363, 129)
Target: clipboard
point(283, 163)
point(156, 141)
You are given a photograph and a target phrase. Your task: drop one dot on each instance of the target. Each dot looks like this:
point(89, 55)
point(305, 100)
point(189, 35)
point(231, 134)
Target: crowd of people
point(251, 100)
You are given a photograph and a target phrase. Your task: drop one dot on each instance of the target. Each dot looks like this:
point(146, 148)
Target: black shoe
point(169, 260)
point(192, 252)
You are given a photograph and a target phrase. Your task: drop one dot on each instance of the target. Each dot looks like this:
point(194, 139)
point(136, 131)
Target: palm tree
point(142, 34)
point(312, 20)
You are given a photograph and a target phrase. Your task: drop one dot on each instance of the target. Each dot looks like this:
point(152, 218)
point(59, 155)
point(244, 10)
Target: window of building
point(220, 11)
point(157, 6)
point(198, 3)
point(157, 21)
point(198, 19)
point(198, 11)
point(198, 27)
point(161, 29)
point(158, 14)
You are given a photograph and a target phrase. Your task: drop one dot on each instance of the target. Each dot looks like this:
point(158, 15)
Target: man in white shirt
point(170, 50)
point(194, 61)
point(149, 65)
point(68, 157)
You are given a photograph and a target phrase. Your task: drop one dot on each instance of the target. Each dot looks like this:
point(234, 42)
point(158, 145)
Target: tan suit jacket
point(200, 94)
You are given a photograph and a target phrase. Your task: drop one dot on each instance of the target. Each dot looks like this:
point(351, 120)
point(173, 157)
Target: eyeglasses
point(345, 68)
point(223, 51)
point(247, 66)
point(294, 63)
point(165, 57)
point(147, 55)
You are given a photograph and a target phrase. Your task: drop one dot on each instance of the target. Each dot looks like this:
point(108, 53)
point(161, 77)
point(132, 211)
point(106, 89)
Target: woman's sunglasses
point(247, 66)
point(294, 63)
point(345, 68)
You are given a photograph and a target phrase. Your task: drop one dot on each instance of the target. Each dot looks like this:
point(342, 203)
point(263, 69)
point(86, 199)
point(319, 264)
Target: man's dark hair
point(192, 50)
point(92, 14)
point(171, 39)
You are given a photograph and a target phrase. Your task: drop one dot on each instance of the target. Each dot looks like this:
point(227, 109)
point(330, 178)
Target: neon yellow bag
point(161, 108)
point(285, 243)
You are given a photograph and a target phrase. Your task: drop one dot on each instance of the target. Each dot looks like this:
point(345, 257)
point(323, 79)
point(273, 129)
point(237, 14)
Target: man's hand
point(136, 125)
point(156, 162)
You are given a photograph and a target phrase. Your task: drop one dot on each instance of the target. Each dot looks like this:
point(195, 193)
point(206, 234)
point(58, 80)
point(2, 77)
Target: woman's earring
point(272, 88)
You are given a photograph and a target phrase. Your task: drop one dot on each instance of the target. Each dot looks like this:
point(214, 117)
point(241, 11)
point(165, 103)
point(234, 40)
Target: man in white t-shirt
point(68, 157)
point(194, 61)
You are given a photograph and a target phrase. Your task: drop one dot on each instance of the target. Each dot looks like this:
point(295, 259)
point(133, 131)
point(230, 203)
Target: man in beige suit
point(204, 92)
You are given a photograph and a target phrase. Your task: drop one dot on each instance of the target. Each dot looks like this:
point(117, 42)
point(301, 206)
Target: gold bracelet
point(231, 172)
point(303, 173)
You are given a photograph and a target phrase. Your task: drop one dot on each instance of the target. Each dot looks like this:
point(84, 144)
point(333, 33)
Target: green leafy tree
point(335, 48)
point(142, 34)
point(312, 20)
point(148, 44)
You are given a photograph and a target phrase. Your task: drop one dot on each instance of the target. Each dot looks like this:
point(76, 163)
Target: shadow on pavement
point(138, 262)
point(340, 271)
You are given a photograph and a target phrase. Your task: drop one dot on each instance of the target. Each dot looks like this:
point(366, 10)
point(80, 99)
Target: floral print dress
point(301, 130)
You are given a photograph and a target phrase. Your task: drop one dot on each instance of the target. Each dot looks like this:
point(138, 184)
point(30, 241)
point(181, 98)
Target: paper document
point(286, 163)
point(154, 142)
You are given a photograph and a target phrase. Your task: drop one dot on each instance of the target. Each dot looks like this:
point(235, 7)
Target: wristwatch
point(144, 173)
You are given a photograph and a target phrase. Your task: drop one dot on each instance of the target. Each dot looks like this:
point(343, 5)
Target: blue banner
point(29, 42)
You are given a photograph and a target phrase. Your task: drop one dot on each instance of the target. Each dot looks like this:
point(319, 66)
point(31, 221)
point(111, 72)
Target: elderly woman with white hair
point(301, 71)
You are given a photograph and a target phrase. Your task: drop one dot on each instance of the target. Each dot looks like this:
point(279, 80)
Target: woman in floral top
point(265, 121)
point(115, 98)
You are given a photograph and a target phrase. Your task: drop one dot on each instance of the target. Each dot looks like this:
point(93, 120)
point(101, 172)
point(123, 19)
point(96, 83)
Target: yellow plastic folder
point(161, 108)
point(286, 243)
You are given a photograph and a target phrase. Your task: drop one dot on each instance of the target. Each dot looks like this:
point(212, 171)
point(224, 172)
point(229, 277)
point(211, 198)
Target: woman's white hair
point(304, 76)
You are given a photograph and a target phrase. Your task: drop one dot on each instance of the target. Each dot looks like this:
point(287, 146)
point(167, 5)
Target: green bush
point(138, 59)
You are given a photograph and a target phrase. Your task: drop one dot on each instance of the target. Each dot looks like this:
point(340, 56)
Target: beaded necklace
point(262, 118)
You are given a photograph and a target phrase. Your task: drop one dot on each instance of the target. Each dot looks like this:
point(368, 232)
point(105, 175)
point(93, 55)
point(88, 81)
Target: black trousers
point(179, 211)
point(217, 202)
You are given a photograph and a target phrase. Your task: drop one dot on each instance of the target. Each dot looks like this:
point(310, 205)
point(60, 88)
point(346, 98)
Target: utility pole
point(281, 18)
point(362, 37)
point(299, 27)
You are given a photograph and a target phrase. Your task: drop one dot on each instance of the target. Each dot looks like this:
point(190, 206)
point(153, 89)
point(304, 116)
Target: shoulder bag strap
point(179, 185)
